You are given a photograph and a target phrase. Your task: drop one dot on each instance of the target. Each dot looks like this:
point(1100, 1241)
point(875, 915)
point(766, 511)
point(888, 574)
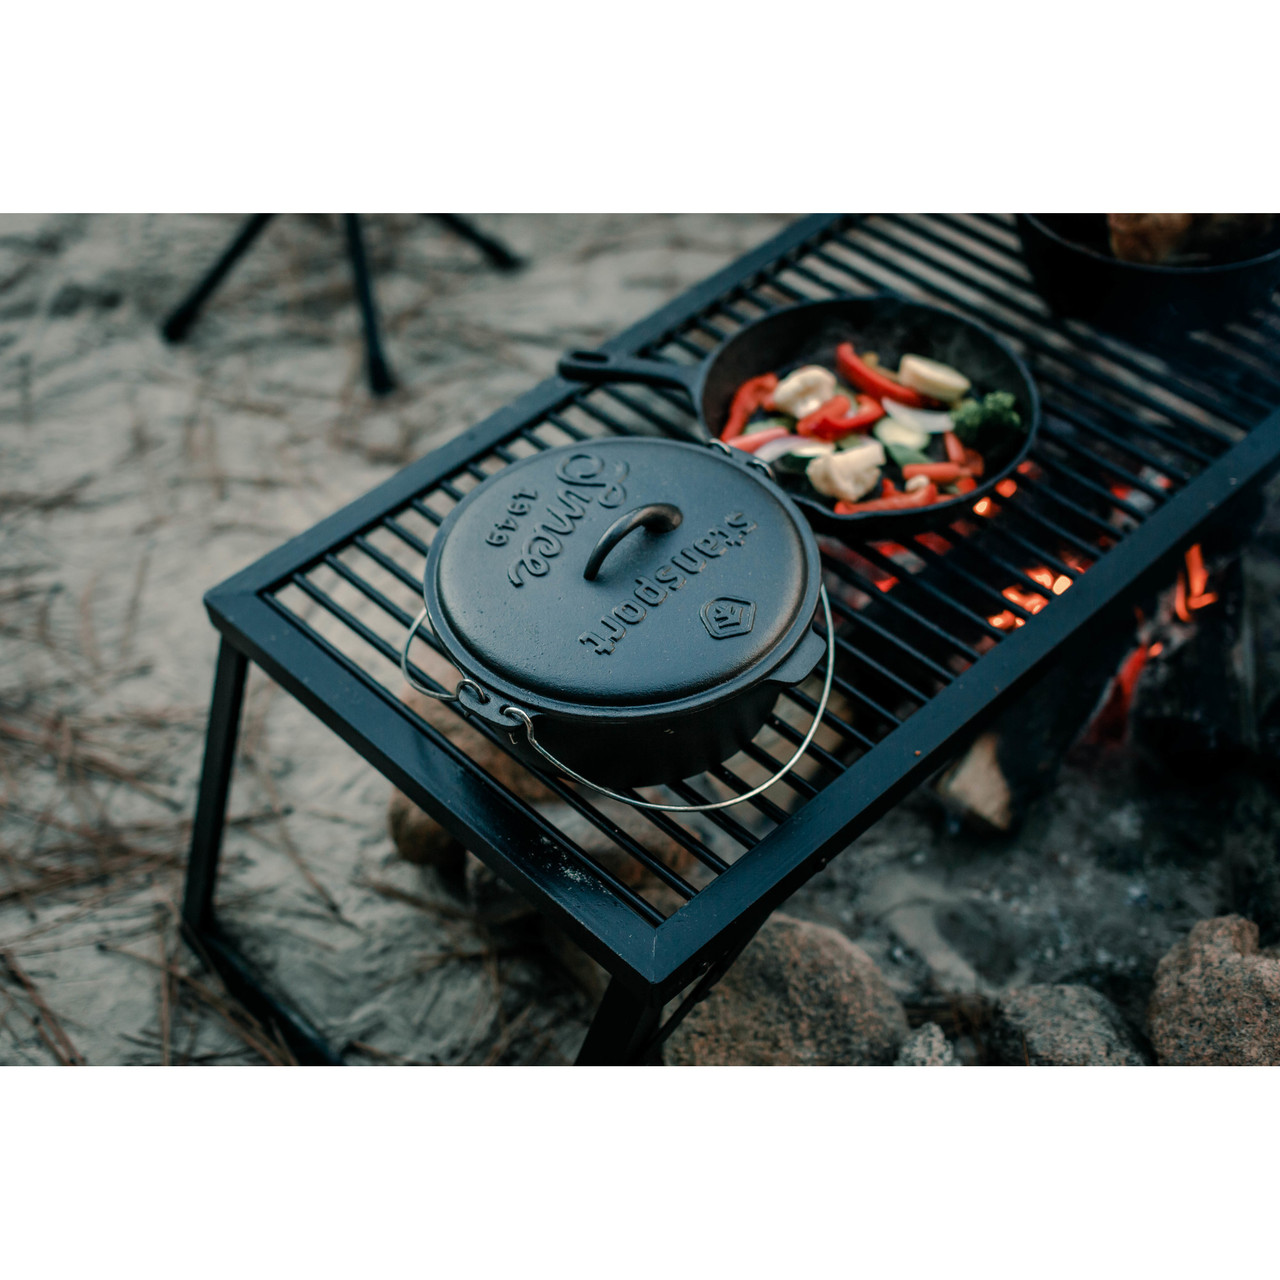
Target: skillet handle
point(606, 366)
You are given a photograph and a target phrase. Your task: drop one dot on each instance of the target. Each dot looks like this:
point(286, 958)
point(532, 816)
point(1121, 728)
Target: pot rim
point(503, 690)
point(1152, 269)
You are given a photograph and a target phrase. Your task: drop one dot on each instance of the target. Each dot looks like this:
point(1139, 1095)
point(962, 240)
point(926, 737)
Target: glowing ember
point(1112, 723)
point(1007, 488)
point(1156, 649)
point(1191, 592)
point(983, 508)
point(1031, 601)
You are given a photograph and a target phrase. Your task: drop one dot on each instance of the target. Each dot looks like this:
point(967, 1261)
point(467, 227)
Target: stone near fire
point(418, 837)
point(1217, 999)
point(801, 994)
point(1060, 1026)
point(926, 1046)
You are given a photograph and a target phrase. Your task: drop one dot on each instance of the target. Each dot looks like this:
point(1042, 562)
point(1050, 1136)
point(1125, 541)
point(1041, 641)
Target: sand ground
point(134, 476)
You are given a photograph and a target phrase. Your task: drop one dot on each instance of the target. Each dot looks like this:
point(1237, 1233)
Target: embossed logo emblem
point(728, 616)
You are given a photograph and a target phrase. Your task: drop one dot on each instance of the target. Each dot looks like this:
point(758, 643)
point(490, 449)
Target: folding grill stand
point(381, 381)
point(652, 959)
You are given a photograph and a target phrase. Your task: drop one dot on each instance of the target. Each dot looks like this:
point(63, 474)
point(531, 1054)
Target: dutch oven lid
point(622, 572)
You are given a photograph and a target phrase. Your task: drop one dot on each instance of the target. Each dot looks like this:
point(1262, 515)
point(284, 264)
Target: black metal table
point(1140, 456)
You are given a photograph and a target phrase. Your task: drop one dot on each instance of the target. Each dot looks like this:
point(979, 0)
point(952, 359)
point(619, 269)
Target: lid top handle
point(661, 517)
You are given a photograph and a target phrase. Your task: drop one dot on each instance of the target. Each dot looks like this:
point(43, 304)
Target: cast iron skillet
point(809, 334)
point(1076, 273)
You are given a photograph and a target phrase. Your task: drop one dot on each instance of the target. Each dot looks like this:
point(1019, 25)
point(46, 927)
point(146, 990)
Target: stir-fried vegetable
point(932, 421)
point(800, 393)
point(833, 420)
point(847, 474)
point(875, 382)
point(933, 378)
point(752, 440)
point(747, 399)
point(850, 443)
point(889, 431)
point(978, 422)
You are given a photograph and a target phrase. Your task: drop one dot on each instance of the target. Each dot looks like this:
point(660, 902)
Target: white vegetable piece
point(934, 421)
point(848, 474)
point(932, 378)
point(917, 482)
point(798, 445)
point(807, 389)
point(891, 431)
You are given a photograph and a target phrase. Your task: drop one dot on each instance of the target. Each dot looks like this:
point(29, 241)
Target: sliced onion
point(774, 449)
point(934, 421)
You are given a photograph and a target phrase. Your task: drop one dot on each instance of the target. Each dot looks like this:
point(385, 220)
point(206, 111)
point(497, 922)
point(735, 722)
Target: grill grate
point(1124, 433)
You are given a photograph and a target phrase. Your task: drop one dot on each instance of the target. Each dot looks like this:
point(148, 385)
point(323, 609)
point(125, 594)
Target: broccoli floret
point(997, 411)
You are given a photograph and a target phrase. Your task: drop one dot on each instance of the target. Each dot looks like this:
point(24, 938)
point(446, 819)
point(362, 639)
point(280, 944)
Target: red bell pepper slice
point(832, 420)
point(754, 439)
point(746, 400)
point(955, 450)
point(922, 497)
point(942, 472)
point(876, 383)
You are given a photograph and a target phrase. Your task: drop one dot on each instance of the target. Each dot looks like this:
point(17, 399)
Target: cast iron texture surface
point(1137, 457)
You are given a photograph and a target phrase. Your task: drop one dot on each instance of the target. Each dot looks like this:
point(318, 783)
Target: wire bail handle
point(520, 717)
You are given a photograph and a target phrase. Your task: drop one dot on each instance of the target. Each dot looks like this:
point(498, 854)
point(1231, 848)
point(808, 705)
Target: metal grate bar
point(761, 803)
point(637, 903)
point(622, 838)
point(409, 539)
point(1064, 441)
point(394, 567)
point(559, 421)
point(856, 655)
point(859, 618)
point(948, 564)
point(856, 695)
point(1047, 558)
point(1048, 352)
point(1025, 513)
point(1042, 490)
point(1052, 463)
point(793, 780)
point(1092, 428)
point(918, 581)
point(683, 837)
point(890, 601)
point(730, 826)
point(829, 718)
point(1019, 575)
point(1031, 339)
point(819, 754)
point(1210, 402)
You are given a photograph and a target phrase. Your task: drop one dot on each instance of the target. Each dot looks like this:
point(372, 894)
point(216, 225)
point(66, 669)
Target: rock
point(490, 898)
point(420, 839)
point(592, 979)
point(1217, 999)
point(801, 994)
point(1060, 1026)
point(926, 1047)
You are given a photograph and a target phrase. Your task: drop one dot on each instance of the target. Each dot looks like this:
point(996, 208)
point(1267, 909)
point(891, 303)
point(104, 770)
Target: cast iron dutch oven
point(629, 609)
point(1074, 269)
point(809, 334)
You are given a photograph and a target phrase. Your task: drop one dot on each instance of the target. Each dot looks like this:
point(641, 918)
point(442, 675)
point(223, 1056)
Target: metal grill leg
point(622, 1025)
point(380, 379)
point(175, 327)
point(497, 252)
point(215, 784)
